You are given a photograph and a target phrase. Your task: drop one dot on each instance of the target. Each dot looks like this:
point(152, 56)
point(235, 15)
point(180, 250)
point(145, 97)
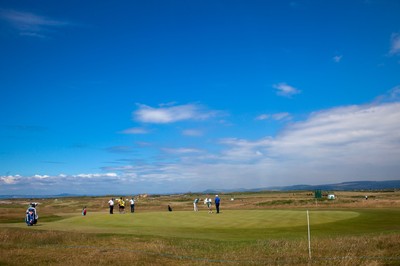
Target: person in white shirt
point(132, 202)
point(208, 201)
point(111, 204)
point(196, 200)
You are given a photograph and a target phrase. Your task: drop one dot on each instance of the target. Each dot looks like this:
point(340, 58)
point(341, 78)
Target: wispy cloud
point(337, 58)
point(263, 117)
point(192, 132)
point(394, 93)
point(171, 114)
point(395, 44)
point(281, 116)
point(286, 90)
point(30, 24)
point(340, 144)
point(81, 183)
point(96, 175)
point(135, 130)
point(277, 116)
point(10, 179)
point(180, 150)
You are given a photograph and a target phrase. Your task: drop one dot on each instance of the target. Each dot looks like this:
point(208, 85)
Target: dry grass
point(61, 248)
point(37, 247)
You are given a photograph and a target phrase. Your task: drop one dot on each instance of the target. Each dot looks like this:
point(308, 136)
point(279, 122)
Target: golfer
point(217, 200)
point(132, 202)
point(111, 204)
point(196, 200)
point(208, 201)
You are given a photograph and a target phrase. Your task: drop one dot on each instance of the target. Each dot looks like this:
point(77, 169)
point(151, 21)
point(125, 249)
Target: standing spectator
point(84, 211)
point(121, 204)
point(217, 200)
point(111, 204)
point(132, 202)
point(209, 204)
point(196, 200)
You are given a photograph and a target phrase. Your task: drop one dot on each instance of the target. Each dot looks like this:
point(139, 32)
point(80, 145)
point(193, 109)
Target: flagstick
point(309, 237)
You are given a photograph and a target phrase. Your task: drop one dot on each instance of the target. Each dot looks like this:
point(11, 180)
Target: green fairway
point(229, 225)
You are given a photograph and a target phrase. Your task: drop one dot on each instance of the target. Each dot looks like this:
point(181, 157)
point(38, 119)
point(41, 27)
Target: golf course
point(263, 228)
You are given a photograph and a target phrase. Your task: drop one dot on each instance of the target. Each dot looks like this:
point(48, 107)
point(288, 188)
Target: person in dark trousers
point(132, 202)
point(217, 200)
point(111, 204)
point(169, 208)
point(121, 204)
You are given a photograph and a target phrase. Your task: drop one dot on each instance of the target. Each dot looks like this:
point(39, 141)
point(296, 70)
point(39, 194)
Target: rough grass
point(347, 231)
point(59, 248)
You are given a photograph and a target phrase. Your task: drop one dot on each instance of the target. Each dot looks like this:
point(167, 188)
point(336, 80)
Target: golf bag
point(31, 217)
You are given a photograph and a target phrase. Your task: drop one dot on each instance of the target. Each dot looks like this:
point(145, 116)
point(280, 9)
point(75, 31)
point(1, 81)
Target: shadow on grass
point(44, 218)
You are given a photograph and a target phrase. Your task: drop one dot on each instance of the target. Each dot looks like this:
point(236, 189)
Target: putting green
point(228, 225)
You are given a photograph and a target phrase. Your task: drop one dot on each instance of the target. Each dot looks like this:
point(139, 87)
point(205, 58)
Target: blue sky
point(102, 97)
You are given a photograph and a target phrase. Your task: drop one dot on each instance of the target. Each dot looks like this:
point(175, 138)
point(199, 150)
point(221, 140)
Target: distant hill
point(345, 186)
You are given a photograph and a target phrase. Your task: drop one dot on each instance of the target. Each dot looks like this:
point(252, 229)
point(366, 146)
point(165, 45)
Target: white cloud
point(9, 179)
point(276, 116)
point(82, 183)
point(29, 24)
point(41, 176)
point(395, 44)
point(242, 150)
point(281, 116)
point(337, 58)
point(340, 144)
point(262, 117)
point(394, 93)
point(354, 132)
point(181, 150)
point(192, 132)
point(135, 130)
point(286, 90)
point(171, 114)
point(96, 175)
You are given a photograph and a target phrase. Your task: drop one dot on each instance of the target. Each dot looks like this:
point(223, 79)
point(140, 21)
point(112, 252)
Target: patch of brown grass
point(19, 246)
